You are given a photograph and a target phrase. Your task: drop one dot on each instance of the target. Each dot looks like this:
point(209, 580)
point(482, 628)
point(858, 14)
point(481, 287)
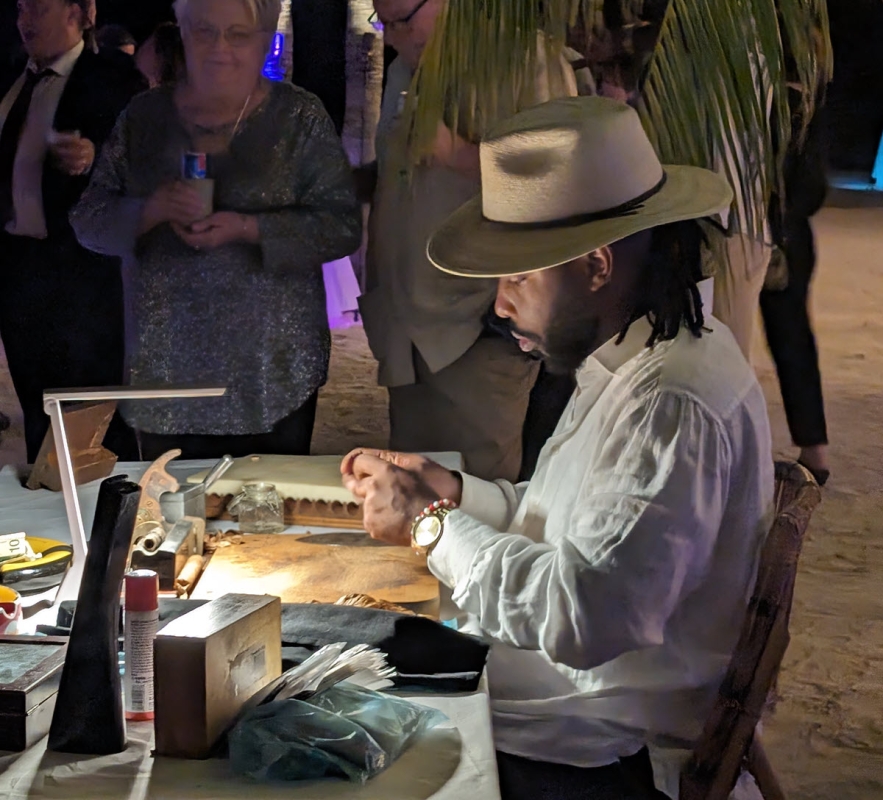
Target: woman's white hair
point(264, 12)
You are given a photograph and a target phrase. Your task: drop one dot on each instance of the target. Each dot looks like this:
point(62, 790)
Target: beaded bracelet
point(438, 505)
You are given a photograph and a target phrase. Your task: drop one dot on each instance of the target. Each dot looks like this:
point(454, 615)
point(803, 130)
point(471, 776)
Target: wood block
point(85, 425)
point(207, 664)
point(320, 567)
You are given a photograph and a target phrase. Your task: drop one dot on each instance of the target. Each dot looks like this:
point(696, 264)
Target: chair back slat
point(713, 769)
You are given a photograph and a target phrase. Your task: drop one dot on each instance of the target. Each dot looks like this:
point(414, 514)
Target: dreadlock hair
point(670, 295)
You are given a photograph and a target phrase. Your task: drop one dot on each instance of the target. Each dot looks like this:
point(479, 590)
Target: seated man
point(614, 584)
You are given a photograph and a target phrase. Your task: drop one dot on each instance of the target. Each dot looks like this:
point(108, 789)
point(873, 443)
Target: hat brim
point(471, 246)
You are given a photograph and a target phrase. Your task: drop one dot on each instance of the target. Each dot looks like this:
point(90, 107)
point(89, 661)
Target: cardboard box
point(207, 664)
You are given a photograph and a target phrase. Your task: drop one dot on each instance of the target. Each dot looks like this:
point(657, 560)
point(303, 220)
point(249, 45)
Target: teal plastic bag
point(346, 732)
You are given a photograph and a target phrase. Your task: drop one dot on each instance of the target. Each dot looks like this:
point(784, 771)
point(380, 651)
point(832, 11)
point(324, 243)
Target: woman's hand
point(175, 202)
point(222, 227)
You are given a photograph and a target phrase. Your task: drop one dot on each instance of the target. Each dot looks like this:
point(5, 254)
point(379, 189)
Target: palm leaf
point(715, 93)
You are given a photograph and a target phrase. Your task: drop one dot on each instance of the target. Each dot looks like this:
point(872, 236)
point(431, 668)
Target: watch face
point(427, 531)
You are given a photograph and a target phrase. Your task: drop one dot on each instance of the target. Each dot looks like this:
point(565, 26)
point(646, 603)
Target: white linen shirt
point(613, 586)
point(33, 146)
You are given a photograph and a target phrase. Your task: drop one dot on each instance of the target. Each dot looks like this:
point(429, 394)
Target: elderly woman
point(234, 298)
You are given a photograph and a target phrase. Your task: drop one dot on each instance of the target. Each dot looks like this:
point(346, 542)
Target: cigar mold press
point(52, 404)
point(170, 528)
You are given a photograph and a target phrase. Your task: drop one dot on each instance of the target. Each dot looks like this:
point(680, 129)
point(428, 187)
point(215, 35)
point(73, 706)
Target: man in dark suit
point(61, 306)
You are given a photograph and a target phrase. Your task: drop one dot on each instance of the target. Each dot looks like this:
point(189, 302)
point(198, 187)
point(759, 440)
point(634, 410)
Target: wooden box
point(207, 664)
point(30, 672)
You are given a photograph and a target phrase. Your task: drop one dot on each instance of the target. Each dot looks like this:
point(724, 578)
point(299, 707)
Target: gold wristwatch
point(429, 526)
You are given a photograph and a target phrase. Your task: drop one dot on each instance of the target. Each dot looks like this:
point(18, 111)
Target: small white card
point(13, 545)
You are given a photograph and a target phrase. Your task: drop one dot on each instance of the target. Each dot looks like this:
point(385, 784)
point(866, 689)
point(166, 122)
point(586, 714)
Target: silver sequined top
point(249, 317)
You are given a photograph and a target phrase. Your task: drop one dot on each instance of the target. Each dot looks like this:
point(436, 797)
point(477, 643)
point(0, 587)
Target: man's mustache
point(531, 337)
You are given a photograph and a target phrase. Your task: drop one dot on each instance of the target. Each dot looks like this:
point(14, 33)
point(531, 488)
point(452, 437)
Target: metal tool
point(190, 500)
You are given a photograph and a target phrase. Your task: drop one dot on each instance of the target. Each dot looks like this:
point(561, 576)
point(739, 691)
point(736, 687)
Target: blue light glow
point(273, 67)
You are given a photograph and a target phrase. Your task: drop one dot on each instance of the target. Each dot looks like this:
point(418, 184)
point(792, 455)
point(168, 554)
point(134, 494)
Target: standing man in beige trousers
point(452, 384)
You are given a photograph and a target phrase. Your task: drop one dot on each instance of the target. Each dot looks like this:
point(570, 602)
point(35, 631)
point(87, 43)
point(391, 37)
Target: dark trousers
point(785, 313)
point(548, 399)
point(791, 340)
point(290, 436)
point(629, 779)
point(61, 322)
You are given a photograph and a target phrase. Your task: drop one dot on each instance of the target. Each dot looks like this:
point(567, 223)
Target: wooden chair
point(729, 742)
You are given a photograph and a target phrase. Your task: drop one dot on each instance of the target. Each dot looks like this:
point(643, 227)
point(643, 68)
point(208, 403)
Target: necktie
point(9, 138)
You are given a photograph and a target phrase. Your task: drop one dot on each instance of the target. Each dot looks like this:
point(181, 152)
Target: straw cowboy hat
point(562, 179)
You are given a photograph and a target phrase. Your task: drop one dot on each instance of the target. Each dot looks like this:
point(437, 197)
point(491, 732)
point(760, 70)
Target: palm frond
point(714, 94)
point(477, 63)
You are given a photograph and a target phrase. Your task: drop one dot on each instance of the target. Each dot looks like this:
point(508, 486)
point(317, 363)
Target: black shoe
point(821, 475)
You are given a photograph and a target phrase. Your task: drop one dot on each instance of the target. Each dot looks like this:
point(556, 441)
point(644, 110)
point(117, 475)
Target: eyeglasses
point(204, 34)
point(395, 24)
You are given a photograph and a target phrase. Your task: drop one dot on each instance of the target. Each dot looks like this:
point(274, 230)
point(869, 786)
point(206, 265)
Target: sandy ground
point(826, 737)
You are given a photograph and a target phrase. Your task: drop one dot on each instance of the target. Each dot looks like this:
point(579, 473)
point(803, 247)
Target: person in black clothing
point(785, 314)
point(116, 37)
point(61, 306)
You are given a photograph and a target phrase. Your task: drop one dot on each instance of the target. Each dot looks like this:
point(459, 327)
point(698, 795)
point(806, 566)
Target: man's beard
point(571, 338)
point(572, 335)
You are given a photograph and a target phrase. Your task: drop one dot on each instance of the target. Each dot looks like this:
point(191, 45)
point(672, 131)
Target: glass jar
point(258, 508)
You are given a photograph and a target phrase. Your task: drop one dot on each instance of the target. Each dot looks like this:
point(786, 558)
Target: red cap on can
point(142, 590)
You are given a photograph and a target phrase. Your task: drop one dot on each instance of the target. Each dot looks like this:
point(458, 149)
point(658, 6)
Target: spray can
point(141, 624)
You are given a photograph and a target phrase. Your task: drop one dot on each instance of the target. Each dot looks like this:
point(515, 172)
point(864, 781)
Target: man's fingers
point(346, 464)
point(355, 486)
point(367, 465)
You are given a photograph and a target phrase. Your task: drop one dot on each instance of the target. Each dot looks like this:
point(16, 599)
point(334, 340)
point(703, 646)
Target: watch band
point(428, 526)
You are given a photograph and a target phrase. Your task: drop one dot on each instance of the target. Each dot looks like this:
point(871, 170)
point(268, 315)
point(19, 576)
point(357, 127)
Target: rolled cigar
point(189, 575)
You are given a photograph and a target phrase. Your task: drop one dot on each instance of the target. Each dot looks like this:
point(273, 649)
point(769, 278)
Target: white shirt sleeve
point(640, 538)
point(494, 503)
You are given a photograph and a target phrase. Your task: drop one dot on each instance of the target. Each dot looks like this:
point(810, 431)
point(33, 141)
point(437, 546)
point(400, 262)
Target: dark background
point(855, 103)
point(319, 40)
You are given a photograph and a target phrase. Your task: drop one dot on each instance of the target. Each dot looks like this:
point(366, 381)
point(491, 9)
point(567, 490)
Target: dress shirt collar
point(65, 63)
point(613, 356)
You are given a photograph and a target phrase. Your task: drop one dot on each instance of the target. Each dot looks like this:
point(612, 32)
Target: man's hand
point(175, 202)
point(73, 154)
point(393, 496)
point(222, 227)
point(446, 484)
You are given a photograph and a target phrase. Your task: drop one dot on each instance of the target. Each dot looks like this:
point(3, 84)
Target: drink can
point(195, 166)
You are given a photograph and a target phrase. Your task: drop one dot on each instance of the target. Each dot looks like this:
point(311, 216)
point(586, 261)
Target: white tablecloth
point(452, 762)
point(42, 513)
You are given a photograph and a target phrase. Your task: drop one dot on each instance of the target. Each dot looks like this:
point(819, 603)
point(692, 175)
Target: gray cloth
point(251, 318)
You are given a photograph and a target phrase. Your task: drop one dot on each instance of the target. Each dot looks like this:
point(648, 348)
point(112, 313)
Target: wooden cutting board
point(320, 567)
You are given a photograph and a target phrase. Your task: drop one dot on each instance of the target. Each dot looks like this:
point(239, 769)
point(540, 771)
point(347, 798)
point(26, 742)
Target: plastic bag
point(345, 731)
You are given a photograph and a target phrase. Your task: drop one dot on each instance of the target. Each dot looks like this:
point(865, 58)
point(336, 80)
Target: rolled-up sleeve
point(640, 537)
